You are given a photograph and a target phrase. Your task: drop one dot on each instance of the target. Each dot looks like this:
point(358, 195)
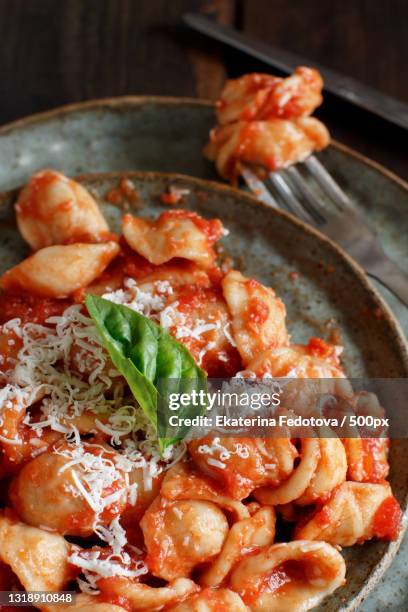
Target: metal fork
point(340, 222)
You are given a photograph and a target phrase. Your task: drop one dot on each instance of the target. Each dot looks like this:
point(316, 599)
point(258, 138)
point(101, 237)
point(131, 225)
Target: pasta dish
point(93, 501)
point(264, 122)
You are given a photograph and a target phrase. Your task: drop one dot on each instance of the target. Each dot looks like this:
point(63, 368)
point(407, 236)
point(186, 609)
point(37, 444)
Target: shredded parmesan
point(63, 367)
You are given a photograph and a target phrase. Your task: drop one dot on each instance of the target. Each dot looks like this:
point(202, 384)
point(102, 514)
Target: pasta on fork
point(264, 122)
point(94, 499)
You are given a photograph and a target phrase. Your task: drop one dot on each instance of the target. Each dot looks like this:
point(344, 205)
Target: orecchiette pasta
point(91, 494)
point(258, 316)
point(44, 491)
point(293, 361)
point(182, 482)
point(367, 459)
point(242, 464)
point(261, 96)
point(314, 396)
point(271, 144)
point(264, 122)
point(356, 512)
point(291, 576)
point(297, 483)
point(330, 472)
point(58, 271)
point(182, 534)
point(147, 492)
point(53, 209)
point(254, 532)
point(13, 415)
point(206, 310)
point(144, 598)
point(38, 558)
point(83, 603)
point(212, 600)
point(174, 234)
point(178, 275)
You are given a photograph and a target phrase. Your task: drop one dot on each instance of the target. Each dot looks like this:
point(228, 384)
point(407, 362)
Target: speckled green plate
point(167, 135)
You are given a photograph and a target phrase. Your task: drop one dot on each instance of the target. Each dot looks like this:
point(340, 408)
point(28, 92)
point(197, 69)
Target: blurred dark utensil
point(342, 86)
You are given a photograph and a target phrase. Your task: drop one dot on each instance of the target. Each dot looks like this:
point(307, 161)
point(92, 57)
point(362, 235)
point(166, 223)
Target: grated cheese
point(216, 463)
point(63, 365)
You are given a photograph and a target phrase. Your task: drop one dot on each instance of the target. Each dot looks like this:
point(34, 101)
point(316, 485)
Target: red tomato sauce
point(212, 228)
point(256, 314)
point(323, 517)
point(191, 298)
point(375, 462)
point(387, 519)
point(108, 587)
point(273, 581)
point(92, 238)
point(29, 307)
point(133, 264)
point(125, 191)
point(321, 349)
point(29, 205)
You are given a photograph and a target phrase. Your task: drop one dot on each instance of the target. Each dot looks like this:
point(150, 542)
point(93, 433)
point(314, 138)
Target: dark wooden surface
point(57, 52)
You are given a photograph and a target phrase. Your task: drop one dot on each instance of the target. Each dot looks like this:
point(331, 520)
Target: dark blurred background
point(55, 52)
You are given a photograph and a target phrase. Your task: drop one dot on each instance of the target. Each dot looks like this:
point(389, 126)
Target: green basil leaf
point(153, 363)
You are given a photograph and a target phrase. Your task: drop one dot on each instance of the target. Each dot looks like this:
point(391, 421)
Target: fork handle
point(391, 276)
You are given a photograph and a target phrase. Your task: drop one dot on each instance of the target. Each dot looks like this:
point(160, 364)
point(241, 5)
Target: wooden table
point(53, 53)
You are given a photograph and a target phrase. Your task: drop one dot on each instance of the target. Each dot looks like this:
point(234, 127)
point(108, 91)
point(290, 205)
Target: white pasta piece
point(293, 362)
point(144, 598)
point(53, 209)
point(66, 492)
point(240, 465)
point(367, 459)
point(181, 482)
point(58, 271)
point(169, 236)
point(298, 481)
point(261, 96)
point(38, 558)
point(248, 534)
point(182, 534)
point(303, 396)
point(293, 576)
point(350, 515)
point(330, 472)
point(258, 316)
point(264, 121)
point(211, 600)
point(176, 275)
point(83, 603)
point(147, 488)
point(272, 144)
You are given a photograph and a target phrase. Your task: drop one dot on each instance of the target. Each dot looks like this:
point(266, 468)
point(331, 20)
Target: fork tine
point(257, 187)
point(310, 199)
point(327, 182)
point(287, 195)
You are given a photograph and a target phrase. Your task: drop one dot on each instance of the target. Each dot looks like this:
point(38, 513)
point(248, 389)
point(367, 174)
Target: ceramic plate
point(167, 135)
